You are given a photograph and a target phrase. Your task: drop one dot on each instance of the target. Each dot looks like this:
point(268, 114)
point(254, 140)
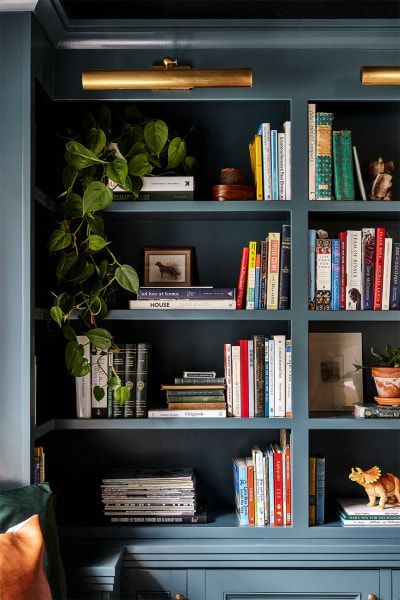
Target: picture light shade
point(380, 75)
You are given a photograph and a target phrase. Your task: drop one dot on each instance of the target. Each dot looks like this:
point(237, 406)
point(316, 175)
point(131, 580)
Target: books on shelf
point(258, 373)
point(184, 298)
point(167, 187)
point(357, 271)
point(191, 304)
point(354, 512)
point(316, 490)
point(374, 411)
point(263, 485)
point(39, 465)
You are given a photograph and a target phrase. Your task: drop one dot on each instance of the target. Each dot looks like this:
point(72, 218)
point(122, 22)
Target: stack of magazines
point(356, 513)
point(151, 496)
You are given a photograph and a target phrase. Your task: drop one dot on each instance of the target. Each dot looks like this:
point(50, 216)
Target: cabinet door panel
point(157, 584)
point(264, 584)
point(396, 584)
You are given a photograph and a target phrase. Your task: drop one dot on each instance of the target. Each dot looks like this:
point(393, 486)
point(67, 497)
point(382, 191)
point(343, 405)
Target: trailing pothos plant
point(88, 272)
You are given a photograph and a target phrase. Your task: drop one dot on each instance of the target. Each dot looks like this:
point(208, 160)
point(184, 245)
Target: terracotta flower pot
point(387, 381)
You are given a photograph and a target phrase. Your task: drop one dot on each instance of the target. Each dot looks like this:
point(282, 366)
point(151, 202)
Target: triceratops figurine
point(385, 487)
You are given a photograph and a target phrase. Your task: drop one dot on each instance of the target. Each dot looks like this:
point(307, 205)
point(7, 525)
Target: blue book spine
point(156, 293)
point(274, 163)
point(257, 290)
point(312, 236)
point(241, 493)
point(394, 302)
point(367, 268)
point(320, 491)
point(335, 274)
point(284, 266)
point(266, 376)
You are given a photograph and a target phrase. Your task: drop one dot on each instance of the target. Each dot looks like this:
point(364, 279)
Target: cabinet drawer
point(152, 584)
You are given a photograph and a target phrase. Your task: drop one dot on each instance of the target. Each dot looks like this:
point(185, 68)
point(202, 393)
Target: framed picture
point(333, 383)
point(168, 267)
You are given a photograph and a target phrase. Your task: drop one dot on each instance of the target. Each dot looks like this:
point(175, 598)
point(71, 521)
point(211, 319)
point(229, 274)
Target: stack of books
point(258, 375)
point(196, 394)
point(317, 490)
point(263, 485)
point(355, 513)
point(270, 158)
point(357, 271)
point(151, 496)
point(264, 275)
point(374, 411)
point(189, 298)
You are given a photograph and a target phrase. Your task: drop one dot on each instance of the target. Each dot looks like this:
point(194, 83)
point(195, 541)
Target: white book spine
point(288, 409)
point(267, 176)
point(273, 271)
point(271, 489)
point(236, 404)
point(83, 386)
point(359, 175)
point(280, 380)
point(281, 167)
point(353, 271)
point(287, 128)
point(271, 376)
point(182, 304)
point(259, 491)
point(228, 377)
point(312, 147)
point(387, 272)
point(250, 355)
point(99, 359)
point(266, 490)
point(186, 414)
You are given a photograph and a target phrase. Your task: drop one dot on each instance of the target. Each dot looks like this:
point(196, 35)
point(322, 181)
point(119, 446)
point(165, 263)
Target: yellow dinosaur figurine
point(385, 487)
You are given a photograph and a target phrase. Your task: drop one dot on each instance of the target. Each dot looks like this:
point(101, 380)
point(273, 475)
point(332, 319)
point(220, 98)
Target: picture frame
point(167, 266)
point(333, 383)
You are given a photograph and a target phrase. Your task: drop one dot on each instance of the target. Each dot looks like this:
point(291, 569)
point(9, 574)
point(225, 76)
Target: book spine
point(228, 377)
point(376, 412)
point(257, 282)
point(311, 482)
point(199, 380)
point(252, 155)
point(312, 238)
point(335, 274)
point(83, 387)
point(244, 378)
point(278, 489)
point(186, 414)
point(287, 128)
point(208, 398)
point(259, 168)
point(119, 368)
point(251, 276)
point(236, 399)
point(342, 273)
point(266, 377)
point(394, 303)
point(242, 278)
point(259, 362)
point(259, 491)
point(312, 150)
point(266, 146)
point(280, 375)
point(142, 371)
point(274, 164)
point(110, 392)
point(320, 491)
point(264, 266)
point(284, 275)
point(288, 485)
point(240, 482)
point(266, 488)
point(367, 267)
point(273, 271)
point(281, 167)
point(199, 374)
point(250, 347)
point(353, 275)
point(288, 366)
point(250, 493)
point(323, 275)
point(182, 304)
point(343, 165)
point(169, 182)
point(271, 377)
point(359, 175)
point(159, 196)
point(387, 268)
point(200, 519)
point(130, 366)
point(323, 165)
point(379, 262)
point(271, 491)
point(186, 294)
point(201, 405)
point(99, 360)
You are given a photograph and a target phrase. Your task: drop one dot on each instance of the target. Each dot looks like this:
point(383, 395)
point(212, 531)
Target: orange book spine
point(250, 491)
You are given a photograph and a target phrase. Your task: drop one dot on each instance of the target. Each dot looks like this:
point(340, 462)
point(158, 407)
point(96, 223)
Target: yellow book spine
point(252, 153)
point(312, 490)
point(251, 276)
point(259, 180)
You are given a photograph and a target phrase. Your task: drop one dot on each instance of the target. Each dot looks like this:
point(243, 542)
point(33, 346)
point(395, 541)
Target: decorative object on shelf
point(379, 175)
point(333, 383)
point(380, 75)
point(385, 487)
point(386, 374)
point(233, 186)
point(168, 267)
point(168, 76)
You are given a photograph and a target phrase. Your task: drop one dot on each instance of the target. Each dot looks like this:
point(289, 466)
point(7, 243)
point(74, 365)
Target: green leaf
point(96, 223)
point(103, 310)
point(69, 333)
point(121, 395)
point(88, 120)
point(59, 240)
point(98, 393)
point(132, 113)
point(95, 305)
point(97, 196)
point(137, 148)
point(87, 272)
point(155, 161)
point(156, 135)
point(117, 170)
point(95, 289)
point(80, 157)
point(66, 262)
point(103, 116)
point(73, 205)
point(73, 354)
point(96, 243)
point(190, 165)
point(82, 369)
point(127, 278)
point(114, 382)
point(100, 338)
point(136, 185)
point(69, 175)
point(56, 314)
point(139, 165)
point(176, 152)
point(66, 302)
point(103, 269)
point(95, 140)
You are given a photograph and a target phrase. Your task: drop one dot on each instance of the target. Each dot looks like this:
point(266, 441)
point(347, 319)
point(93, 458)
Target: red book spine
point(250, 491)
point(288, 483)
point(278, 489)
point(379, 263)
point(244, 378)
point(342, 271)
point(242, 278)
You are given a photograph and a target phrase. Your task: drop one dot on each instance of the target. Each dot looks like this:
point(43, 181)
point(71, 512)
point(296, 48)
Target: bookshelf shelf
point(347, 421)
point(354, 315)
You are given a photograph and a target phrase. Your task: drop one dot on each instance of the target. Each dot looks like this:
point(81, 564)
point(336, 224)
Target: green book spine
point(195, 399)
point(324, 156)
point(186, 393)
point(343, 165)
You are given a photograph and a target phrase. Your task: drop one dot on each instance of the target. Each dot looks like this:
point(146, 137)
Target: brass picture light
point(380, 75)
point(169, 76)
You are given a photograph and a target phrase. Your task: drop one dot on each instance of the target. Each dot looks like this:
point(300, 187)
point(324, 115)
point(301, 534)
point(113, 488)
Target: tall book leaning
point(343, 165)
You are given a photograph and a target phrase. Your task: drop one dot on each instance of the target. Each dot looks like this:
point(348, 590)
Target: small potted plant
point(386, 373)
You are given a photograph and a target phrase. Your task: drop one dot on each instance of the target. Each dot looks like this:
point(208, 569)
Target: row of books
point(357, 271)
point(264, 275)
point(39, 465)
point(354, 512)
point(263, 485)
point(270, 158)
point(166, 187)
point(332, 160)
point(184, 298)
point(131, 364)
point(317, 490)
point(375, 411)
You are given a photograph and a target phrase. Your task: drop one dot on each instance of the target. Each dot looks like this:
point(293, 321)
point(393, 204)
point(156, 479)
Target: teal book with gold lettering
point(323, 170)
point(343, 165)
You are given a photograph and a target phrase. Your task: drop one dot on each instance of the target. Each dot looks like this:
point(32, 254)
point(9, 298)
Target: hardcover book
point(312, 147)
point(324, 156)
point(142, 371)
point(244, 378)
point(287, 128)
point(335, 275)
point(259, 363)
point(259, 167)
point(187, 293)
point(312, 239)
point(284, 276)
point(119, 368)
point(367, 268)
point(83, 388)
point(343, 267)
point(395, 278)
point(273, 271)
point(251, 276)
point(323, 274)
point(280, 375)
point(242, 278)
point(274, 164)
point(353, 271)
point(387, 267)
point(99, 360)
point(380, 235)
point(228, 377)
point(265, 131)
point(343, 165)
point(130, 368)
point(281, 167)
